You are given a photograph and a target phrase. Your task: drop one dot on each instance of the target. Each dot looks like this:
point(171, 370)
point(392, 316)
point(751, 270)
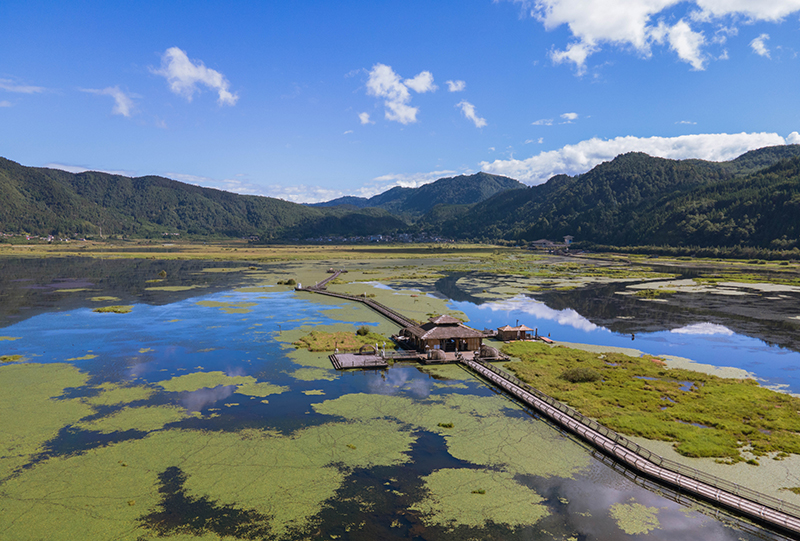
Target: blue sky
point(311, 100)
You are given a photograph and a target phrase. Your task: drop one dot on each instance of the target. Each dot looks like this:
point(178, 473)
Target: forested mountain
point(460, 190)
point(49, 201)
point(634, 199)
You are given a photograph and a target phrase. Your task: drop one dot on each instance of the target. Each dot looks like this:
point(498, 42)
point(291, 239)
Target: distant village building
point(521, 332)
point(543, 244)
point(568, 239)
point(446, 333)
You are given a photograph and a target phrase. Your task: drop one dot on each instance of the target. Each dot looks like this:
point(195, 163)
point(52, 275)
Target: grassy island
point(329, 341)
point(705, 415)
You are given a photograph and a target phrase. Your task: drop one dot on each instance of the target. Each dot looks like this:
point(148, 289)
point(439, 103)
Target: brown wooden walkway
point(765, 509)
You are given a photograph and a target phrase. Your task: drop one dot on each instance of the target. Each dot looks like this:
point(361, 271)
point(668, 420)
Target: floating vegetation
point(203, 380)
point(445, 425)
point(482, 432)
point(144, 419)
point(229, 307)
point(793, 490)
point(9, 338)
point(260, 389)
point(112, 394)
point(314, 374)
point(11, 358)
point(716, 417)
point(451, 501)
point(173, 288)
point(182, 513)
point(104, 299)
point(314, 392)
point(286, 478)
point(87, 357)
point(117, 309)
point(28, 390)
point(635, 518)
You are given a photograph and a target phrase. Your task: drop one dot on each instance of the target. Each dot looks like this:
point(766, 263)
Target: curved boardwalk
point(750, 503)
point(760, 507)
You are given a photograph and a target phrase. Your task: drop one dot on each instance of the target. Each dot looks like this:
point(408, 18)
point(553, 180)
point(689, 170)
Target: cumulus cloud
point(123, 103)
point(569, 117)
point(637, 25)
point(704, 329)
point(759, 45)
point(184, 76)
point(423, 82)
point(580, 157)
point(543, 122)
point(455, 86)
point(364, 118)
point(10, 85)
point(468, 110)
point(384, 83)
point(793, 138)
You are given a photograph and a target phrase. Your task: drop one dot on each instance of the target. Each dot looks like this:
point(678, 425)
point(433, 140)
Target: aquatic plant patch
point(116, 309)
point(343, 340)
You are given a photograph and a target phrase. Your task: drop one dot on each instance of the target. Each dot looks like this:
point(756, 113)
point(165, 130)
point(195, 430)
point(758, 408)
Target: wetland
point(208, 408)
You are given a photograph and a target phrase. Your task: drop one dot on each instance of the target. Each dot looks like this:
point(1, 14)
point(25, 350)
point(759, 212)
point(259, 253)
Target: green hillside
point(460, 190)
point(47, 201)
point(639, 200)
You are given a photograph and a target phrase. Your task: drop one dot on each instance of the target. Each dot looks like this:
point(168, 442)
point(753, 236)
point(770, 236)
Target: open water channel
point(193, 417)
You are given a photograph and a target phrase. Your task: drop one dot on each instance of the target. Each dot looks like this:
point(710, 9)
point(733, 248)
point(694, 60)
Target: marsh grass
point(343, 340)
point(716, 417)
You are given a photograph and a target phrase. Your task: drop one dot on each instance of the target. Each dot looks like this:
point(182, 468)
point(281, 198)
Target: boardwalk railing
point(397, 317)
point(788, 515)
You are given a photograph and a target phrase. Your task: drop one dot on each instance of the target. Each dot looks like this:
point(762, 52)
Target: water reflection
point(704, 329)
point(539, 310)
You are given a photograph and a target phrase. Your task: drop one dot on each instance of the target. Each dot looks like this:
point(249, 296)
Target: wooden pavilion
point(520, 332)
point(446, 333)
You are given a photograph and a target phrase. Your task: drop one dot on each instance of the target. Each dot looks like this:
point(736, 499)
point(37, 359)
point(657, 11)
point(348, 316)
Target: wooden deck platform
point(345, 361)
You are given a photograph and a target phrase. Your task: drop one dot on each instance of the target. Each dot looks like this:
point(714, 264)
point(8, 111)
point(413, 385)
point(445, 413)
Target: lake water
point(193, 417)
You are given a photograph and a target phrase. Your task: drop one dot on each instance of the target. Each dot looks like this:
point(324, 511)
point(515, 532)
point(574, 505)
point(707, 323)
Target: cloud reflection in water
point(540, 310)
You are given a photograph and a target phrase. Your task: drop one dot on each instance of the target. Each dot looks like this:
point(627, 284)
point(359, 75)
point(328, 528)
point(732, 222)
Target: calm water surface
point(587, 498)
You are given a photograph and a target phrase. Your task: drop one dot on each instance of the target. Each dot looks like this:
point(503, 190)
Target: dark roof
point(445, 320)
point(432, 331)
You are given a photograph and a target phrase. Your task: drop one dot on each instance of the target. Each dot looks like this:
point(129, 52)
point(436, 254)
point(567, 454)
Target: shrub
point(362, 330)
point(580, 375)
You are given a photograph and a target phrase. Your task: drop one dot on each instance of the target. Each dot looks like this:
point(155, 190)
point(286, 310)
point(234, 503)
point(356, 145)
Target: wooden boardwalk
point(760, 507)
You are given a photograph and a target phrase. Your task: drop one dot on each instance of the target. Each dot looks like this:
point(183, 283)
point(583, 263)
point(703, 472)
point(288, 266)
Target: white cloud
point(540, 140)
point(414, 180)
point(347, 132)
point(234, 185)
point(455, 86)
point(580, 157)
point(759, 46)
point(79, 169)
point(569, 117)
point(468, 110)
point(636, 25)
point(184, 75)
point(543, 122)
point(704, 329)
point(5, 103)
point(123, 103)
point(793, 138)
point(683, 40)
point(384, 83)
point(421, 83)
point(688, 122)
point(12, 86)
point(364, 118)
